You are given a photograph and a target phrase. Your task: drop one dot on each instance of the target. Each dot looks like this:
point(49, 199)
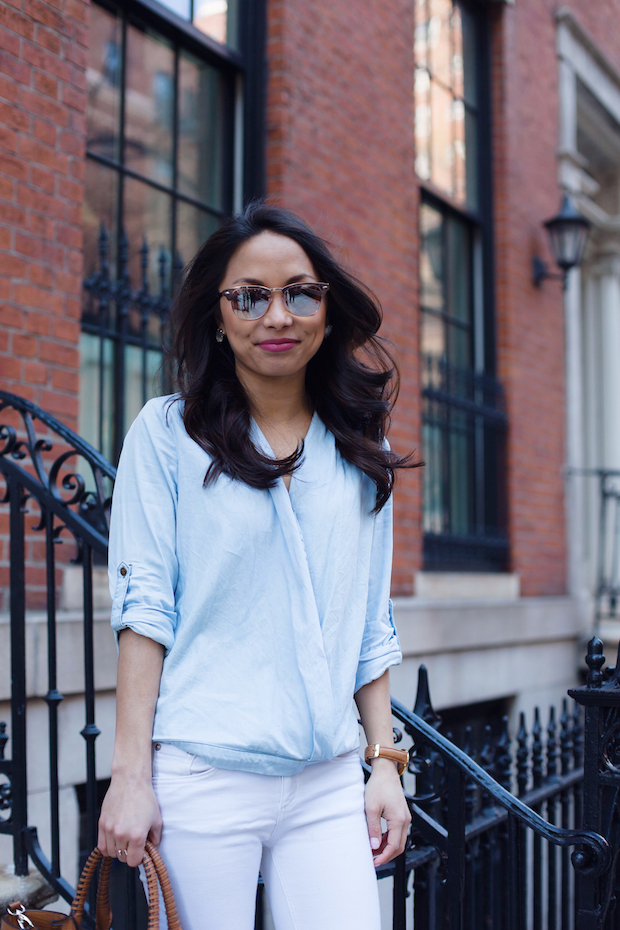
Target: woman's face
point(278, 344)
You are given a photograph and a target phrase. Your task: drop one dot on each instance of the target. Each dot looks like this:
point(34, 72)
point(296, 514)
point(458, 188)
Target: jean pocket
point(199, 766)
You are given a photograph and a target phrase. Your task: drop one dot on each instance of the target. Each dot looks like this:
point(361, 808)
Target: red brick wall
point(42, 132)
point(340, 153)
point(530, 320)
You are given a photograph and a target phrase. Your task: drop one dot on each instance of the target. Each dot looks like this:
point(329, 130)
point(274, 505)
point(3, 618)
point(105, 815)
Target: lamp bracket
point(540, 271)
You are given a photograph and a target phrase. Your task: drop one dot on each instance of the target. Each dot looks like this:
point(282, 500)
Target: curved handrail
point(90, 520)
point(593, 860)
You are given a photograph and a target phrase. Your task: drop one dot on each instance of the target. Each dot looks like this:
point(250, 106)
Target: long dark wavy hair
point(352, 381)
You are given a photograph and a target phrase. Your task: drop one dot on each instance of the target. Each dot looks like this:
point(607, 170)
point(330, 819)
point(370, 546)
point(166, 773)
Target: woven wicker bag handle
point(166, 889)
point(155, 873)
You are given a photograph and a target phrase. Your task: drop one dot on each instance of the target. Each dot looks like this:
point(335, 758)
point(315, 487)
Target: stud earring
point(219, 335)
point(328, 330)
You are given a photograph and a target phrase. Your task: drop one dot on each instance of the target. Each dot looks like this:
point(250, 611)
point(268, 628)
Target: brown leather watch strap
point(400, 756)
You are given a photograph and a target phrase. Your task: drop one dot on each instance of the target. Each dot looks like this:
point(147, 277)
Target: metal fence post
point(601, 698)
point(19, 791)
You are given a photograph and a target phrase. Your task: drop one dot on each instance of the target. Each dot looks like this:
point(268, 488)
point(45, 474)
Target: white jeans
point(306, 833)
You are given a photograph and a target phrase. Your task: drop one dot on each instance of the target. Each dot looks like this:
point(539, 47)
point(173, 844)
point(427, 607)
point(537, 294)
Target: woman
point(250, 560)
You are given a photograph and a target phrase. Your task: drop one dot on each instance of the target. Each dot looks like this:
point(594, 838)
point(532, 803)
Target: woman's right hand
point(129, 816)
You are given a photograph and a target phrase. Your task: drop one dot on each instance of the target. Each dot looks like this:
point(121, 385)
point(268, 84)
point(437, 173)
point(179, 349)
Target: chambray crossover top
point(273, 607)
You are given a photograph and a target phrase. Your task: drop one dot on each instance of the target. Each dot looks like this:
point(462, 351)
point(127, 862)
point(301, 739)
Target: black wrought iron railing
point(478, 854)
point(126, 325)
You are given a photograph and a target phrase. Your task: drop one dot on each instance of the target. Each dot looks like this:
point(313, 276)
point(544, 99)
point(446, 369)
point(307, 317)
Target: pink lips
point(277, 345)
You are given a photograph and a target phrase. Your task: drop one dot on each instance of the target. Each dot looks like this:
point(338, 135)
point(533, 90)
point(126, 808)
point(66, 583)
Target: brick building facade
point(326, 122)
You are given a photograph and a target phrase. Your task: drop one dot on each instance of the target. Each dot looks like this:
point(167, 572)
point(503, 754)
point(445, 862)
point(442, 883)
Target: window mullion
point(175, 165)
point(120, 322)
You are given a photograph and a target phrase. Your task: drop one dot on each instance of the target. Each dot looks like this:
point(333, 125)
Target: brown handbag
point(18, 918)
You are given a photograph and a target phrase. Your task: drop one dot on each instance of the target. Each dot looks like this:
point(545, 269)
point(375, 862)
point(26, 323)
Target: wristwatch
point(399, 756)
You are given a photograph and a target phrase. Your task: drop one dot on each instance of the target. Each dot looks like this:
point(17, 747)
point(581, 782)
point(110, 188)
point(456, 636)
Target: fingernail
point(375, 842)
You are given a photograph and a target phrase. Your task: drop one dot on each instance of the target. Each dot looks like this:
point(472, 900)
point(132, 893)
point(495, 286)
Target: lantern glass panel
point(568, 239)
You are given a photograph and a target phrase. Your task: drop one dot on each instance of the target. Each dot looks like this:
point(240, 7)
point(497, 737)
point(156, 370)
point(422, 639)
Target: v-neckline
point(267, 448)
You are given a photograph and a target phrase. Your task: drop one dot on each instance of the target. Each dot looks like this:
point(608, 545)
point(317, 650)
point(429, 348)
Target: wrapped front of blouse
point(273, 606)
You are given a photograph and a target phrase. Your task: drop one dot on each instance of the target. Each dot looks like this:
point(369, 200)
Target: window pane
point(460, 468)
point(180, 7)
point(100, 206)
point(441, 137)
point(96, 397)
point(422, 124)
point(458, 124)
point(218, 19)
point(142, 380)
point(432, 441)
point(421, 34)
point(459, 354)
point(200, 131)
point(431, 257)
point(459, 270)
point(457, 52)
point(432, 337)
point(439, 40)
point(149, 105)
point(103, 77)
point(193, 227)
point(147, 214)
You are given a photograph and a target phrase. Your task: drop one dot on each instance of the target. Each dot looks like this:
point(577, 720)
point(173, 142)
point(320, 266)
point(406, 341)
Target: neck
point(279, 401)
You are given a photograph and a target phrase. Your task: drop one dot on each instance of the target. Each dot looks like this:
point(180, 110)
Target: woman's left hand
point(384, 798)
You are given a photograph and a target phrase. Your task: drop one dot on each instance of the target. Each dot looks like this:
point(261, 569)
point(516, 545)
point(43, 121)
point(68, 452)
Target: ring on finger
point(121, 852)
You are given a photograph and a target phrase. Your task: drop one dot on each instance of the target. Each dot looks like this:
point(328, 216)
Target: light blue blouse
point(273, 607)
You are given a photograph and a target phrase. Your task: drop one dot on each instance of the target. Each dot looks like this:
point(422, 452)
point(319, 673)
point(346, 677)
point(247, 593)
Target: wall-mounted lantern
point(568, 234)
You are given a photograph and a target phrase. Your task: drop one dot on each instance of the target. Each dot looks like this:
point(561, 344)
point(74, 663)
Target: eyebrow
point(294, 280)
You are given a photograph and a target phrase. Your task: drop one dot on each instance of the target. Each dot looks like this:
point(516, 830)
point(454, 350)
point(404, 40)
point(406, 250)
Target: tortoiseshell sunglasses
point(251, 301)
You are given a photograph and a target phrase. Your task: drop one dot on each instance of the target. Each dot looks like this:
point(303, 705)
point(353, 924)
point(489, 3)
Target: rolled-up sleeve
point(380, 645)
point(142, 559)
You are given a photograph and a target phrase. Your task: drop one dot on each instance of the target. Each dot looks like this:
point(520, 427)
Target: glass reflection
point(439, 39)
point(422, 124)
point(421, 34)
point(149, 105)
point(142, 380)
point(431, 257)
point(200, 136)
point(218, 19)
point(445, 91)
point(193, 227)
point(103, 77)
point(147, 214)
point(100, 206)
point(459, 270)
point(433, 475)
point(181, 7)
point(441, 137)
point(95, 421)
point(460, 458)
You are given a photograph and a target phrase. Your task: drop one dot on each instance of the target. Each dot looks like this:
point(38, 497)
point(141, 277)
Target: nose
point(278, 314)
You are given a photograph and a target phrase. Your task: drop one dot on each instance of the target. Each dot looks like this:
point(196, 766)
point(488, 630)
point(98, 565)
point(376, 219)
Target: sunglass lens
point(251, 303)
point(303, 299)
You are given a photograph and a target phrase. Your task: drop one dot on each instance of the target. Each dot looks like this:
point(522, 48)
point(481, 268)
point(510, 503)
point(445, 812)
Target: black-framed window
point(464, 424)
point(162, 162)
